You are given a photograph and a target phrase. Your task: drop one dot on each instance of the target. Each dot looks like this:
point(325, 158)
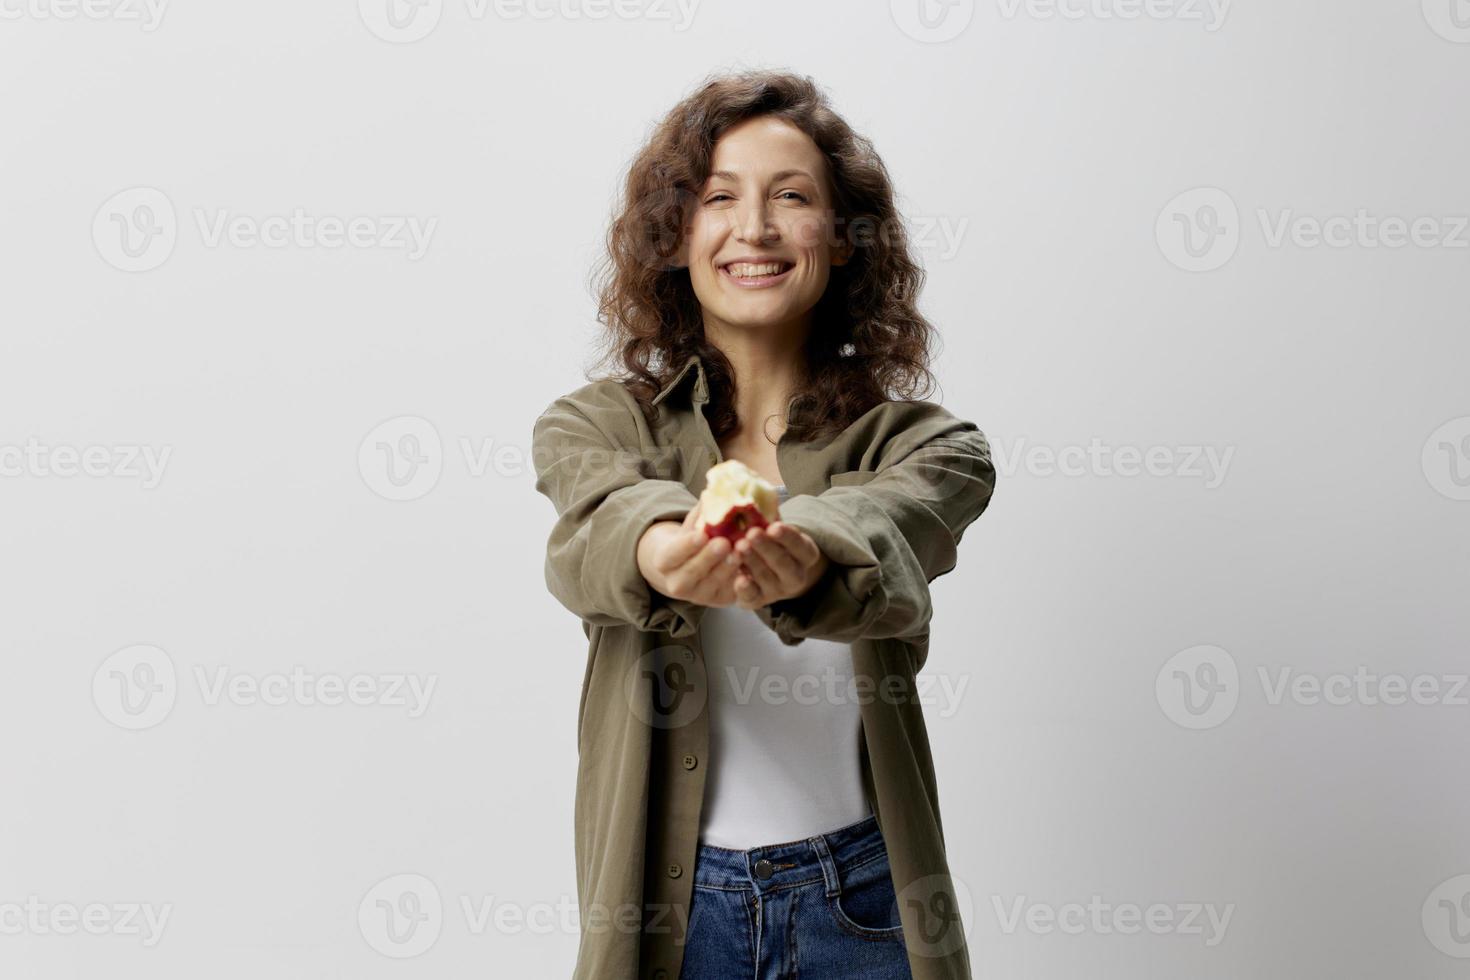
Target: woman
point(760, 298)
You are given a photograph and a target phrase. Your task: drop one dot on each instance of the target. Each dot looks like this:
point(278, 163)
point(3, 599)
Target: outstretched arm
point(888, 533)
point(605, 497)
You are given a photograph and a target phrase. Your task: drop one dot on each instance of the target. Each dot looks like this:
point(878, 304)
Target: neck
point(768, 371)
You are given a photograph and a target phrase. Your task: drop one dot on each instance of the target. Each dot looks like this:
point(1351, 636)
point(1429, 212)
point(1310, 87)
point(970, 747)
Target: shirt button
point(690, 762)
point(688, 654)
point(763, 869)
point(675, 871)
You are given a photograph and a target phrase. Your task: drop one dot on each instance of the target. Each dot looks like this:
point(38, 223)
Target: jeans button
point(763, 869)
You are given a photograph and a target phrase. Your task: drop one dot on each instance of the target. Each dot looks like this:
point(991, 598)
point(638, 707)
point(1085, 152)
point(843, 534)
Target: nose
point(752, 225)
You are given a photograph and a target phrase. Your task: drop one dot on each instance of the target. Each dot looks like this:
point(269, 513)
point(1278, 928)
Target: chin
point(743, 315)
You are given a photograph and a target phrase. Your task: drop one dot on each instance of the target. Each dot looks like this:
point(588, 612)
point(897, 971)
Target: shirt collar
point(693, 369)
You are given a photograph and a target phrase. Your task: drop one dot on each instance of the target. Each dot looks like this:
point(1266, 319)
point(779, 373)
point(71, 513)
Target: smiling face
point(761, 246)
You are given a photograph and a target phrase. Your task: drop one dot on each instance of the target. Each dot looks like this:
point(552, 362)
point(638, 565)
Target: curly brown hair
point(868, 342)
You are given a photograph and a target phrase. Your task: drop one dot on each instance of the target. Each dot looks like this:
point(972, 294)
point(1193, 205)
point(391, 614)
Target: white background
point(1050, 145)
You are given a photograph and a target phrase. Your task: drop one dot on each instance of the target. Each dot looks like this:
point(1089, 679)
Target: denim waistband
point(790, 863)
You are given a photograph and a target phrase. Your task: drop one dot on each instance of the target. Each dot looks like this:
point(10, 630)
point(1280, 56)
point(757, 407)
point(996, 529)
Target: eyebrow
point(730, 175)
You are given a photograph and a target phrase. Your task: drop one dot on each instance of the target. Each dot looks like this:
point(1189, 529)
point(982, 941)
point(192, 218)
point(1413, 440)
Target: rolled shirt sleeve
point(887, 534)
point(605, 497)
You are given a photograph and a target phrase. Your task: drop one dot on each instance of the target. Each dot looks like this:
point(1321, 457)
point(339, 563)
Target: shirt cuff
point(639, 507)
point(837, 605)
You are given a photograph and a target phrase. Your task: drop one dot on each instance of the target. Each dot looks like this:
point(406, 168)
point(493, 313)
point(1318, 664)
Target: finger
point(797, 542)
point(749, 593)
point(695, 568)
point(684, 546)
point(693, 522)
point(775, 553)
point(722, 590)
point(756, 566)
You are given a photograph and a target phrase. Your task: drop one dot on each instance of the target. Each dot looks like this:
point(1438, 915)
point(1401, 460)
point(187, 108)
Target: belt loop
point(829, 866)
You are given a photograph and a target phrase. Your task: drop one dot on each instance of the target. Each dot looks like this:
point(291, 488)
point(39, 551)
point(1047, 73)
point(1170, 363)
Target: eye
point(799, 197)
point(717, 197)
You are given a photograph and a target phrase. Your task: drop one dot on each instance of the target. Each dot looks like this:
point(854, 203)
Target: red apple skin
point(737, 521)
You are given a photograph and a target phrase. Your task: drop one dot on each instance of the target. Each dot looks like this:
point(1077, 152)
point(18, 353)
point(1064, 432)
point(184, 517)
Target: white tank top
point(785, 734)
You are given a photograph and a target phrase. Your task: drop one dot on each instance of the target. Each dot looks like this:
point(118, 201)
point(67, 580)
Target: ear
point(680, 258)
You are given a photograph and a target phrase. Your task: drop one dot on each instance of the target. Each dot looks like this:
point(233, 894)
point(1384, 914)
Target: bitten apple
point(735, 499)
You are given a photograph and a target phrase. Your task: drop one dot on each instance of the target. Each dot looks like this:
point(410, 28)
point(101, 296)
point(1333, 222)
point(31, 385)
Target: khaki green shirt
point(887, 501)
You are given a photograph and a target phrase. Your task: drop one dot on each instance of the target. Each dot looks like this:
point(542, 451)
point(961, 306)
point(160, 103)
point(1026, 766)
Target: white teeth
point(747, 270)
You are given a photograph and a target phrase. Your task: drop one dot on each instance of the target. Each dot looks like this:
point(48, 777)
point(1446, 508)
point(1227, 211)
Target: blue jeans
point(822, 908)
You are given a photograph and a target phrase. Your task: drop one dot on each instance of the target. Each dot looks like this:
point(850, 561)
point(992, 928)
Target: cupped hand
point(678, 560)
point(778, 561)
